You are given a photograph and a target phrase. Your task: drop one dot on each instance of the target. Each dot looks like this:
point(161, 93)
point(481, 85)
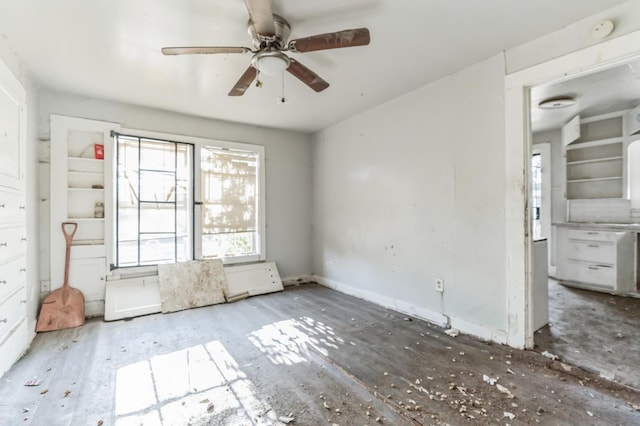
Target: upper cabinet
point(12, 130)
point(595, 151)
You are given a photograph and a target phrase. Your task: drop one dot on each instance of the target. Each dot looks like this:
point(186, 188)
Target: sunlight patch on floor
point(287, 342)
point(200, 385)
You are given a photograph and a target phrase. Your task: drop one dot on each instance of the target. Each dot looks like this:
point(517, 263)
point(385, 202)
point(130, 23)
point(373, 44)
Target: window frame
point(198, 144)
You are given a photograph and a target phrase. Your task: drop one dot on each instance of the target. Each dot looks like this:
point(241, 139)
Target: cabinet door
point(571, 130)
point(12, 130)
point(88, 276)
point(632, 122)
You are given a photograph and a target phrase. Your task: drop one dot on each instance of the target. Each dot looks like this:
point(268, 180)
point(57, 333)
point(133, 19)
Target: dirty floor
point(596, 330)
point(305, 356)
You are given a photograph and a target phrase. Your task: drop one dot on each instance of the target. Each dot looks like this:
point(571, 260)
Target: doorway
point(623, 49)
point(590, 276)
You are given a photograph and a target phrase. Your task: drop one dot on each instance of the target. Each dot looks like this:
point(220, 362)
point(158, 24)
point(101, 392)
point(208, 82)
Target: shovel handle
point(68, 235)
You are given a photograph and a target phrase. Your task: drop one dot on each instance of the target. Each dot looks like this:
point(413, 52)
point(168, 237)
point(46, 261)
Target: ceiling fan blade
point(335, 40)
point(244, 82)
point(307, 76)
point(204, 50)
point(261, 17)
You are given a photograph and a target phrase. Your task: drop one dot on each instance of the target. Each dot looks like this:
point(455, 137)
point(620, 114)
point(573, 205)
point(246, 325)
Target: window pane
point(157, 218)
point(229, 196)
point(157, 186)
point(157, 155)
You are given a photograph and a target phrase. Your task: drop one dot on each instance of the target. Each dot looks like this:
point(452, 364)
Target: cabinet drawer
point(593, 235)
point(12, 274)
point(12, 207)
point(12, 311)
point(590, 273)
point(13, 242)
point(592, 251)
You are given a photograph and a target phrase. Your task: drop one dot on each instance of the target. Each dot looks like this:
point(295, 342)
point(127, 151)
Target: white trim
point(437, 318)
point(385, 301)
point(518, 142)
point(481, 331)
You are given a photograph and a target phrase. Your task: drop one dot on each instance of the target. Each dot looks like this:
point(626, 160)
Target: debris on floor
point(33, 382)
point(550, 355)
point(492, 381)
point(453, 332)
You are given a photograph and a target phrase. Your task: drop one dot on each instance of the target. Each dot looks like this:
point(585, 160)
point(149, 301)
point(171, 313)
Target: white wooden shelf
point(598, 142)
point(86, 219)
point(595, 179)
point(82, 173)
point(595, 160)
point(85, 189)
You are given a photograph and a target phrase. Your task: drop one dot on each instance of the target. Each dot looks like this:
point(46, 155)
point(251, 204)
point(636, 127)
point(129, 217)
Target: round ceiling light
point(271, 62)
point(556, 103)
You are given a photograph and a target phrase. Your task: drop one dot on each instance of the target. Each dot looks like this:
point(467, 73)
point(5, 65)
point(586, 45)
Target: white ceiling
point(110, 49)
point(610, 90)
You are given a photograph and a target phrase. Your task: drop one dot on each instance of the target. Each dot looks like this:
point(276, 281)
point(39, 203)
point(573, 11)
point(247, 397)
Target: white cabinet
point(80, 182)
point(598, 259)
point(14, 328)
point(632, 122)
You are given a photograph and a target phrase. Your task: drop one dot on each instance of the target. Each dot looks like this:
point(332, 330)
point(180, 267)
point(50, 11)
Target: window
point(195, 198)
point(154, 216)
point(229, 208)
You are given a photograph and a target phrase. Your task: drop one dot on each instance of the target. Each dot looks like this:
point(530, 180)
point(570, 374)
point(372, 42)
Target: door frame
point(518, 147)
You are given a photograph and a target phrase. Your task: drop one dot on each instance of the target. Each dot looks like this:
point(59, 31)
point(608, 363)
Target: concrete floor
point(309, 353)
point(597, 331)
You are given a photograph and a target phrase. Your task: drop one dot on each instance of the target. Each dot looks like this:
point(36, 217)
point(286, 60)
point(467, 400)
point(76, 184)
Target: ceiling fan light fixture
point(271, 62)
point(556, 103)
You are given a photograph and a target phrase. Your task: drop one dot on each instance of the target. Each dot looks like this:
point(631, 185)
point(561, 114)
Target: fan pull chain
point(282, 98)
point(258, 82)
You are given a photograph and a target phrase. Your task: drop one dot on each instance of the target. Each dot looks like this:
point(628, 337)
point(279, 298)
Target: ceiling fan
point(269, 33)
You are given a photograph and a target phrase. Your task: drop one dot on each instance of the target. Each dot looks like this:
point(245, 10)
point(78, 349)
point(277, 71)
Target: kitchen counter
point(632, 227)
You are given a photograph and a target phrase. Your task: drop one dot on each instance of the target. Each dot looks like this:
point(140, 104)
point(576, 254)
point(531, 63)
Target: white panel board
point(131, 297)
point(258, 278)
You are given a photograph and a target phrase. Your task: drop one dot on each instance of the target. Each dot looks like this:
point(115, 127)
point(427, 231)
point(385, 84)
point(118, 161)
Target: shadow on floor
point(597, 331)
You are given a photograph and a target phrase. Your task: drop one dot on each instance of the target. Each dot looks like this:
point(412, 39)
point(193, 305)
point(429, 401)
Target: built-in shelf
point(595, 160)
point(85, 159)
point(85, 189)
point(86, 219)
point(82, 173)
point(87, 242)
point(595, 179)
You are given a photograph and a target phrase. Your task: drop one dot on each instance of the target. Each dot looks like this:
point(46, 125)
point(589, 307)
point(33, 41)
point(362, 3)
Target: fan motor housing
point(283, 30)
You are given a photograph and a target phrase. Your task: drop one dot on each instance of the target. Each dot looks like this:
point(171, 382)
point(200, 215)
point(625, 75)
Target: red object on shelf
point(98, 150)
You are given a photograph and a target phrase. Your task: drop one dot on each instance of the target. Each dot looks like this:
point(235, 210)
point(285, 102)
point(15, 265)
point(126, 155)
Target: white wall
point(288, 167)
point(414, 190)
point(33, 280)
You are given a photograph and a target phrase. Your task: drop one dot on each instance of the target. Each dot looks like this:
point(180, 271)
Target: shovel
point(63, 307)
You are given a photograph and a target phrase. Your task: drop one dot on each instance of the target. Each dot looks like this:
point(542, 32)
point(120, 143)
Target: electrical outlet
point(440, 285)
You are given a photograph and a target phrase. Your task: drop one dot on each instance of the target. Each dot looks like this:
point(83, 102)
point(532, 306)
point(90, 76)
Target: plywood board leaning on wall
point(186, 285)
